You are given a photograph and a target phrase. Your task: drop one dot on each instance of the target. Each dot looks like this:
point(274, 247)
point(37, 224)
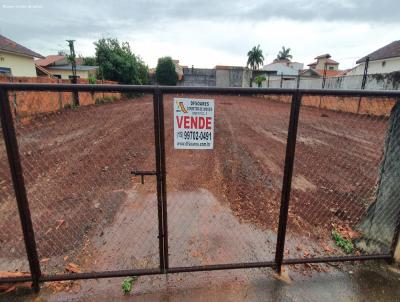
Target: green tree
point(88, 61)
point(165, 72)
point(284, 54)
point(259, 79)
point(255, 58)
point(118, 63)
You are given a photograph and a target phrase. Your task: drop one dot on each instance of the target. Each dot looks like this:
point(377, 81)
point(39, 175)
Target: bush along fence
point(26, 104)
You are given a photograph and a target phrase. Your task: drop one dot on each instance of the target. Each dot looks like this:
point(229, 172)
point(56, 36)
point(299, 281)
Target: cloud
point(205, 32)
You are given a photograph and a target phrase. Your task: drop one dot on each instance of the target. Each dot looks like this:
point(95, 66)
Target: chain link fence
point(86, 207)
point(335, 181)
point(90, 214)
point(223, 204)
point(12, 248)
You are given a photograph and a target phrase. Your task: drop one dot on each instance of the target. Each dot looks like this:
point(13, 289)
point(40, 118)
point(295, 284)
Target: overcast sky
point(206, 33)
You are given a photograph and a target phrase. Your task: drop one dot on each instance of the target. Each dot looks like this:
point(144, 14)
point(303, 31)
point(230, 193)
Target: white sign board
point(193, 123)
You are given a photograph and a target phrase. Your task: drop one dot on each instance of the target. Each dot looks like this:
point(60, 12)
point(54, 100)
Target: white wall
point(386, 82)
point(282, 68)
point(21, 66)
point(65, 74)
point(392, 64)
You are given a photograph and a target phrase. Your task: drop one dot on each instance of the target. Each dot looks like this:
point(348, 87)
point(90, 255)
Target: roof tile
point(11, 46)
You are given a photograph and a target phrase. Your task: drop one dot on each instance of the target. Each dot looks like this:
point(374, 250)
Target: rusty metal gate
point(319, 198)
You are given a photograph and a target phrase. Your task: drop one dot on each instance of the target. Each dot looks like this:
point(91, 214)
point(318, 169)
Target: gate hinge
point(143, 173)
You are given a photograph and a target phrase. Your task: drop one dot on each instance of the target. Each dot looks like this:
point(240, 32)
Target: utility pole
point(364, 79)
point(324, 78)
point(72, 60)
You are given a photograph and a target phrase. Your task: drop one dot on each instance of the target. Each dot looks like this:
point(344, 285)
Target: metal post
point(364, 79)
point(163, 180)
point(72, 58)
point(324, 77)
point(156, 111)
point(19, 188)
point(287, 178)
point(281, 79)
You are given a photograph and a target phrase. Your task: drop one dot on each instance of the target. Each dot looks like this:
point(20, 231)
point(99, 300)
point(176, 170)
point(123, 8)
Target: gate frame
point(11, 143)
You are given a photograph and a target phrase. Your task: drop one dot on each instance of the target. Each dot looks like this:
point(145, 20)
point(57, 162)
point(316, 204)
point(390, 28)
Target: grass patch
point(127, 284)
point(345, 244)
point(105, 99)
point(70, 106)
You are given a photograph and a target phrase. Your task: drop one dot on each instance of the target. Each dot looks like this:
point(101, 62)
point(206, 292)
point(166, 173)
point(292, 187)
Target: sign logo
point(193, 123)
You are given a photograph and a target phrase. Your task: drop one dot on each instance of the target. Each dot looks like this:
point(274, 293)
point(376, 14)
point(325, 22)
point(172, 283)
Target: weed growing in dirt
point(127, 284)
point(105, 99)
point(70, 106)
point(345, 244)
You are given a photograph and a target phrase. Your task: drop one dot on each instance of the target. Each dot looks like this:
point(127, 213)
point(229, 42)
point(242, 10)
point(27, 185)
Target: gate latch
point(143, 173)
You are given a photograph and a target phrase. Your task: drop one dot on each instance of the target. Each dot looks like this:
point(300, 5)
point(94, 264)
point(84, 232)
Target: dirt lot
point(87, 208)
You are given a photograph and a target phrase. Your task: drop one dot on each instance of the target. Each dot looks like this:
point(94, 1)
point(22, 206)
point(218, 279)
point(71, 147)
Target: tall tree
point(165, 72)
point(118, 63)
point(284, 54)
point(255, 58)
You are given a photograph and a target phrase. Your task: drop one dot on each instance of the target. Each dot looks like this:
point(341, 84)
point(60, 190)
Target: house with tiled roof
point(322, 61)
point(16, 60)
point(323, 66)
point(383, 60)
point(58, 66)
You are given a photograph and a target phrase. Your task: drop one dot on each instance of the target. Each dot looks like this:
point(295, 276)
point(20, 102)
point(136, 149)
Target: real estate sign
point(193, 123)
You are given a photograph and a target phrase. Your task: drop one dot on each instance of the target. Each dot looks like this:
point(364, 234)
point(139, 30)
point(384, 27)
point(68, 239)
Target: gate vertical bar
point(156, 112)
point(19, 188)
point(163, 179)
point(287, 178)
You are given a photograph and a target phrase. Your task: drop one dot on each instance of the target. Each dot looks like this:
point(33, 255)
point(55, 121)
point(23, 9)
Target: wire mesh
point(336, 175)
point(223, 204)
point(12, 248)
point(88, 213)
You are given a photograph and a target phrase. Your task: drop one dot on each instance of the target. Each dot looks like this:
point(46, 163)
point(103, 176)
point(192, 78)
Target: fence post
point(164, 181)
point(287, 178)
point(19, 188)
point(364, 81)
point(158, 107)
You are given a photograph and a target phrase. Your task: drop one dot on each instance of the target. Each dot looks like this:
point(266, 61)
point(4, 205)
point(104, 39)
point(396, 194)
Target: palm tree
point(284, 54)
point(255, 58)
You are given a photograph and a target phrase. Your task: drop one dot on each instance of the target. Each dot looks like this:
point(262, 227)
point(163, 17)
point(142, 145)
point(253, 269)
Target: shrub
point(345, 244)
point(259, 79)
point(165, 72)
point(92, 79)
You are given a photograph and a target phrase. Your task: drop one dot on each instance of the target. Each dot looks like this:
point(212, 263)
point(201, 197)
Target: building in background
point(383, 60)
point(57, 66)
point(282, 67)
point(323, 60)
point(319, 73)
point(16, 60)
point(323, 65)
